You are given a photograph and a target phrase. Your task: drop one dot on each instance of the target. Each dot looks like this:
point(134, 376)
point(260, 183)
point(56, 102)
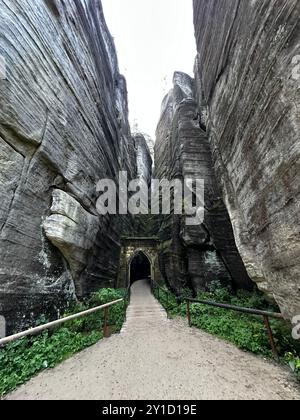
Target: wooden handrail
point(250, 311)
point(41, 328)
point(265, 314)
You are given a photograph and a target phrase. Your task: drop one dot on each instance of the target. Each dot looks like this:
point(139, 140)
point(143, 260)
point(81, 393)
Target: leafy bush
point(168, 301)
point(21, 360)
point(117, 313)
point(95, 321)
point(294, 363)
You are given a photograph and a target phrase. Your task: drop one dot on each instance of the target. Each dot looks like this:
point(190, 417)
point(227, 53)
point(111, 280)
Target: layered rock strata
point(63, 127)
point(248, 79)
point(193, 256)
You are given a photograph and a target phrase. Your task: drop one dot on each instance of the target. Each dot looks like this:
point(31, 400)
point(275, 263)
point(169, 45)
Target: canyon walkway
point(157, 358)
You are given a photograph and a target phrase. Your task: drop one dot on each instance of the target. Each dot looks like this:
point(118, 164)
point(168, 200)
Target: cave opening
point(140, 268)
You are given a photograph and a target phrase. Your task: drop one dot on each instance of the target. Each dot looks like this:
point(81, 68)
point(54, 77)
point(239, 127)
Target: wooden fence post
point(105, 327)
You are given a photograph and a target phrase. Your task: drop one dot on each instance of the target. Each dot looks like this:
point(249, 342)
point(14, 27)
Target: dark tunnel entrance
point(140, 268)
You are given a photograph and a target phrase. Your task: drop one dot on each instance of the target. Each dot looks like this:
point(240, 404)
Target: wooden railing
point(250, 311)
point(265, 314)
point(58, 322)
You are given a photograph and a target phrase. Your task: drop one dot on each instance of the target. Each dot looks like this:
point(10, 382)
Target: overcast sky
point(154, 38)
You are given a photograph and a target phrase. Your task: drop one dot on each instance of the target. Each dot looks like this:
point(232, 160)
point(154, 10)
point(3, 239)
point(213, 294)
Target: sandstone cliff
point(143, 158)
point(248, 79)
point(63, 127)
point(193, 256)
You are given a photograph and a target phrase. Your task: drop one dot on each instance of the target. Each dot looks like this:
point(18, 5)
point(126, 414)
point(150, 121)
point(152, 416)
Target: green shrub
point(294, 363)
point(117, 313)
point(21, 360)
point(168, 301)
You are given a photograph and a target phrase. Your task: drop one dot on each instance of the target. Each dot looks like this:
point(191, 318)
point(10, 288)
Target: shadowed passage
point(140, 268)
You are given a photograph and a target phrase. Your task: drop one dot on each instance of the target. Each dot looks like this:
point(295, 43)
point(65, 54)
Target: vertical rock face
point(143, 158)
point(63, 127)
point(248, 79)
point(193, 255)
point(143, 224)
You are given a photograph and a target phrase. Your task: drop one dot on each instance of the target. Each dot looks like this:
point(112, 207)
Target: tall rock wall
point(63, 127)
point(248, 79)
point(143, 158)
point(193, 256)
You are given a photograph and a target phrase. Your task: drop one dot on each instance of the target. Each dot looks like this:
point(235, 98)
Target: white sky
point(154, 38)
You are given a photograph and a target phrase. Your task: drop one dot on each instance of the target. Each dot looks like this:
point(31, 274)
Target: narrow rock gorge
point(248, 77)
point(64, 126)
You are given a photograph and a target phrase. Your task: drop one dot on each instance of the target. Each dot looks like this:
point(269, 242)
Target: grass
point(247, 332)
point(23, 359)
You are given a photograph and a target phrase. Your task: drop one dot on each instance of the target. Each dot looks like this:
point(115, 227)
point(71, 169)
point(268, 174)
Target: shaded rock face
point(73, 230)
point(248, 79)
point(63, 127)
point(144, 224)
point(143, 158)
point(193, 255)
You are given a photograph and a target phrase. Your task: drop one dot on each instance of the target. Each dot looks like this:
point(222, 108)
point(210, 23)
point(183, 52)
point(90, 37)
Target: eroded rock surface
point(73, 231)
point(248, 79)
point(143, 225)
point(63, 127)
point(193, 255)
point(143, 157)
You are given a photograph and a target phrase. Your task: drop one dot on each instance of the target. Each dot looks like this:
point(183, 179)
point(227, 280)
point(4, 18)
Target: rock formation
point(63, 127)
point(143, 224)
point(248, 79)
point(193, 255)
point(73, 230)
point(143, 158)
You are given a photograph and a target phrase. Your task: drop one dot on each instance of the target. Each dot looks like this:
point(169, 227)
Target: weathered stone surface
point(144, 225)
point(143, 158)
point(248, 78)
point(131, 247)
point(63, 127)
point(73, 231)
point(193, 255)
point(11, 165)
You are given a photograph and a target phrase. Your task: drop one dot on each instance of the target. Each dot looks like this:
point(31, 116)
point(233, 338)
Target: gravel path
point(156, 358)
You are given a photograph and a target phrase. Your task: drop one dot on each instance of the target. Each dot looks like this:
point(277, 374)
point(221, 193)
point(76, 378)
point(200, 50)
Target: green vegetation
point(248, 332)
point(294, 362)
point(24, 358)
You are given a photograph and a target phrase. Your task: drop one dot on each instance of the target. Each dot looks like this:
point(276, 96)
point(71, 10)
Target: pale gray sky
point(154, 38)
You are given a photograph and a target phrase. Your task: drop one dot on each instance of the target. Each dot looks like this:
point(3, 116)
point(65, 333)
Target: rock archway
point(147, 250)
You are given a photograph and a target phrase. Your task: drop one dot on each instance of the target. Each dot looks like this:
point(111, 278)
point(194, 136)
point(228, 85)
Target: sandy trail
point(156, 358)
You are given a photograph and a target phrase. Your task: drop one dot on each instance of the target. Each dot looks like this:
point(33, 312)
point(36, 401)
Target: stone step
point(144, 312)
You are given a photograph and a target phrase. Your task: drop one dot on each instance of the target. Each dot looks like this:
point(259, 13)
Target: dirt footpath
point(155, 358)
